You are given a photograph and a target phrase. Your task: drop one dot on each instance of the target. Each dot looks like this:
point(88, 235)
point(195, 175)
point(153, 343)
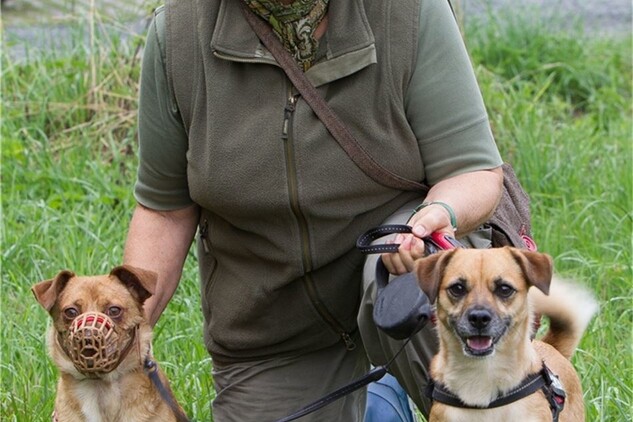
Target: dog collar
point(544, 380)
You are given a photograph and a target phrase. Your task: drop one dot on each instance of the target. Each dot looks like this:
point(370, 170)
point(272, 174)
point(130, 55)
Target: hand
point(430, 219)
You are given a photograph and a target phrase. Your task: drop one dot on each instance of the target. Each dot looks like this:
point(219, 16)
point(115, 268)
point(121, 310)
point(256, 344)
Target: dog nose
point(479, 318)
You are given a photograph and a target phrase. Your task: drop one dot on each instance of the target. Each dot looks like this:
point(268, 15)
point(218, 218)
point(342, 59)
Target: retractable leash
point(401, 309)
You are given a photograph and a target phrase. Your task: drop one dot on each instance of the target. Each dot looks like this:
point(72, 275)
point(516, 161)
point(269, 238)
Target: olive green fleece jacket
point(282, 204)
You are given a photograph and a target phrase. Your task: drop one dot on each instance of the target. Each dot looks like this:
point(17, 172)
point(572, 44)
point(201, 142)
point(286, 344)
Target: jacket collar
point(349, 41)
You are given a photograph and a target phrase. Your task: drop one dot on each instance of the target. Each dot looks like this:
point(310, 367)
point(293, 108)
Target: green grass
point(560, 107)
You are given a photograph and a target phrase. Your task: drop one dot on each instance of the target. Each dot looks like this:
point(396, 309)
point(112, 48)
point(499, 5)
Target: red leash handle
point(444, 241)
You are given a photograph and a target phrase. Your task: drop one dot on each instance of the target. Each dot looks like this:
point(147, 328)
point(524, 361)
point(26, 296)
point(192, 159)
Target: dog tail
point(569, 308)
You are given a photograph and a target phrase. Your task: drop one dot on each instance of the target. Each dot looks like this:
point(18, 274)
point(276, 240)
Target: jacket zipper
point(303, 226)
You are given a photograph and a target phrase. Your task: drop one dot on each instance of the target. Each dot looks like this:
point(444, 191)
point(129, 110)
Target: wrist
point(451, 213)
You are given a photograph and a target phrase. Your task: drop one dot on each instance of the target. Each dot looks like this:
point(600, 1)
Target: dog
point(487, 359)
point(101, 344)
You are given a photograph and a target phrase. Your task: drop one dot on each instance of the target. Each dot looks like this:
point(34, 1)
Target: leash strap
point(328, 117)
point(373, 375)
point(151, 369)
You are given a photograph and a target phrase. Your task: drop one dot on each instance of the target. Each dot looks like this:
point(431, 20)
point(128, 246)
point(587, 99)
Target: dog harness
point(544, 380)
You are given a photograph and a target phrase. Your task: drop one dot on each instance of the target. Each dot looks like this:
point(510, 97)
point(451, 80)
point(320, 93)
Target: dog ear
point(137, 280)
point(537, 267)
point(46, 291)
point(429, 271)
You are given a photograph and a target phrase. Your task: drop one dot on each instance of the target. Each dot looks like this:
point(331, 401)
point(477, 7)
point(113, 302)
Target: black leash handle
point(433, 243)
point(363, 243)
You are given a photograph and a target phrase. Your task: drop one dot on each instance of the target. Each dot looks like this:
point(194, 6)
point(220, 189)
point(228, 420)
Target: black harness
point(544, 380)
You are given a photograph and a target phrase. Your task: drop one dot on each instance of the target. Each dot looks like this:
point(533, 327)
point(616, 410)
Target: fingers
point(411, 248)
point(430, 219)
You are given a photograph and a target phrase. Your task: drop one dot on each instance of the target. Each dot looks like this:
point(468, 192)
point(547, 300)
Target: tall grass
point(68, 167)
point(560, 106)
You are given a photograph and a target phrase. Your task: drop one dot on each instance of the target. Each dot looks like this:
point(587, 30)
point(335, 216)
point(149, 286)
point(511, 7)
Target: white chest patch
point(94, 401)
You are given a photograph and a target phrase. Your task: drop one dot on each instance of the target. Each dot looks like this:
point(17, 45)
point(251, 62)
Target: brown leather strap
point(334, 125)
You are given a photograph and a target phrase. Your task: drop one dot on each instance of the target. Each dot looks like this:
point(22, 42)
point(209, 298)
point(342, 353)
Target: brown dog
point(485, 324)
point(101, 344)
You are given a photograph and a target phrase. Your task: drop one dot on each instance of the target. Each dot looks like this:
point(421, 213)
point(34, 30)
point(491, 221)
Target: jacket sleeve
point(443, 103)
point(162, 171)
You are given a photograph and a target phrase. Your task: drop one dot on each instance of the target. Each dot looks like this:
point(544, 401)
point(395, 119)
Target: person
point(230, 151)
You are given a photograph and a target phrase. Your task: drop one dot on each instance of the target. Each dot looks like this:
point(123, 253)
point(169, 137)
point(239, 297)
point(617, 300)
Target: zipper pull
point(349, 343)
point(204, 231)
point(288, 110)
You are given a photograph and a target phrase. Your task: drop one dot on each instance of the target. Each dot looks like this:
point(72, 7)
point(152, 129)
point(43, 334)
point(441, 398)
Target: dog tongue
point(479, 342)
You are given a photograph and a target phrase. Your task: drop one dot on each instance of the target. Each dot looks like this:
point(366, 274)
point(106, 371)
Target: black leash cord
point(373, 375)
point(151, 369)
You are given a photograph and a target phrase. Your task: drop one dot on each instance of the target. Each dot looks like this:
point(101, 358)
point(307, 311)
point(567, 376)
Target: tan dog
point(101, 344)
point(484, 324)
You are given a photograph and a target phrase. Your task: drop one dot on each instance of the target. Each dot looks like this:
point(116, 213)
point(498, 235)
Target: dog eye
point(457, 290)
point(71, 313)
point(504, 291)
point(114, 311)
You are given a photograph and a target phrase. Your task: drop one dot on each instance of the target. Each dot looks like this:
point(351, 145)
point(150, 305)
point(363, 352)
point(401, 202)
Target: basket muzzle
point(94, 344)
